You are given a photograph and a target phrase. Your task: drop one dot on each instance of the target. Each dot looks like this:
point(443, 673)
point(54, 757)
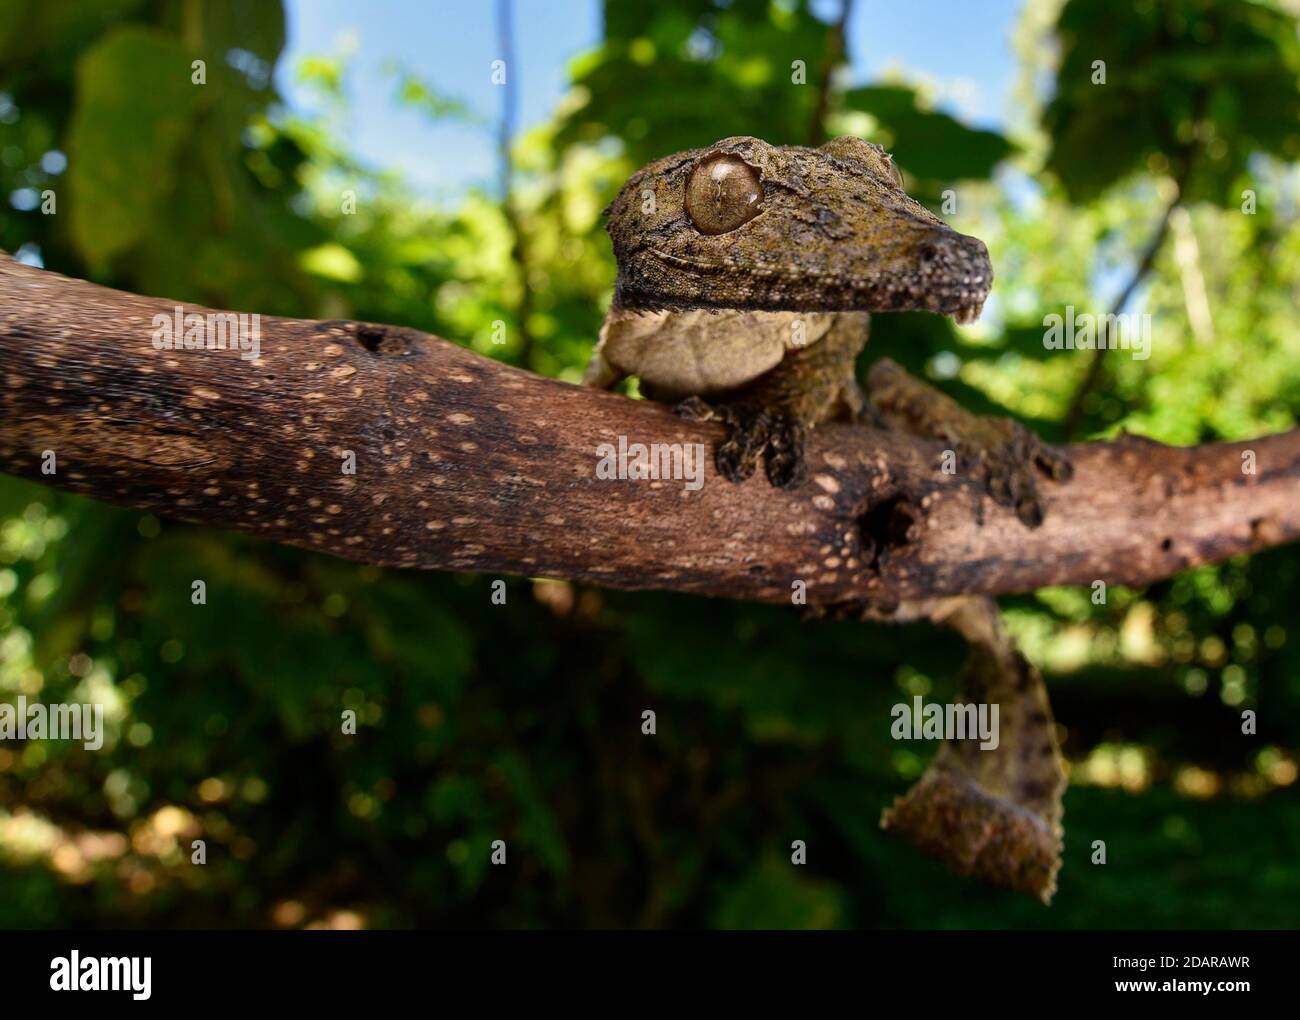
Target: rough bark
point(463, 463)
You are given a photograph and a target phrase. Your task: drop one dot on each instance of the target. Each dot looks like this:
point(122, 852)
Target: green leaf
point(928, 144)
point(1191, 86)
point(134, 108)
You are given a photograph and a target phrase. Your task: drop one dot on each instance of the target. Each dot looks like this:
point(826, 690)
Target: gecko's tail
point(992, 813)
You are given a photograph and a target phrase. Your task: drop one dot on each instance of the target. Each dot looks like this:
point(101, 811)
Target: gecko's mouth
point(962, 304)
point(960, 297)
point(967, 313)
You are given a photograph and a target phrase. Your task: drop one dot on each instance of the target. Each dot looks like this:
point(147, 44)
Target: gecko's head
point(747, 225)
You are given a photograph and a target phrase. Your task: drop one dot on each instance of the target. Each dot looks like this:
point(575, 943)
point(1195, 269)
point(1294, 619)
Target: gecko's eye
point(723, 192)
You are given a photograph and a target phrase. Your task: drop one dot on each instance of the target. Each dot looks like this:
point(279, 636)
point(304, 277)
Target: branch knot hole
point(381, 340)
point(888, 525)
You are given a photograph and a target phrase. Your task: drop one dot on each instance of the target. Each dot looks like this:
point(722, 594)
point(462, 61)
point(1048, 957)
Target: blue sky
point(962, 48)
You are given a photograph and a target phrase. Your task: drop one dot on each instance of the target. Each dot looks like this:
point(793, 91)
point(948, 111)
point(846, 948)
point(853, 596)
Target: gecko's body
point(746, 277)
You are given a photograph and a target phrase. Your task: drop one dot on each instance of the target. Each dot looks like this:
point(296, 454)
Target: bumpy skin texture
point(834, 231)
point(992, 814)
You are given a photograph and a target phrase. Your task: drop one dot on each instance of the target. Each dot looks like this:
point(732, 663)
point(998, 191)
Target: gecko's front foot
point(1007, 454)
point(753, 434)
point(1011, 458)
point(769, 418)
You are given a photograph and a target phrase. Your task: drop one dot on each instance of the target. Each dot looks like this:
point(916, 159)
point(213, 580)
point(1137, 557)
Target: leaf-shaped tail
point(994, 814)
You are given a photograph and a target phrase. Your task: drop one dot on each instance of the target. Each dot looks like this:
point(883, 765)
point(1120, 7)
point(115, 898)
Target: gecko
point(747, 274)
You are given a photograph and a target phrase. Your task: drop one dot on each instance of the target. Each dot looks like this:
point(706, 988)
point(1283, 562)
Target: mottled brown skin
point(992, 814)
point(833, 231)
point(743, 225)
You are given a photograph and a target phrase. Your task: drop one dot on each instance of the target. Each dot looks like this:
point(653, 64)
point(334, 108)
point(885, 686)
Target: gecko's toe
point(783, 458)
point(1011, 483)
point(1012, 458)
point(753, 434)
point(735, 462)
point(694, 409)
point(738, 454)
point(1053, 462)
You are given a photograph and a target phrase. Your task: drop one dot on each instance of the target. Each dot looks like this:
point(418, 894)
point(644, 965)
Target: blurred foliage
point(934, 147)
point(1195, 86)
point(522, 722)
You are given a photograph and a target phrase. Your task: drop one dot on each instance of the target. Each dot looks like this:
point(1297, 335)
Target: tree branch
point(463, 463)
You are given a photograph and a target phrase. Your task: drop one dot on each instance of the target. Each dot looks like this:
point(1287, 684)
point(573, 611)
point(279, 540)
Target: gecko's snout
point(956, 272)
point(946, 246)
point(953, 256)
